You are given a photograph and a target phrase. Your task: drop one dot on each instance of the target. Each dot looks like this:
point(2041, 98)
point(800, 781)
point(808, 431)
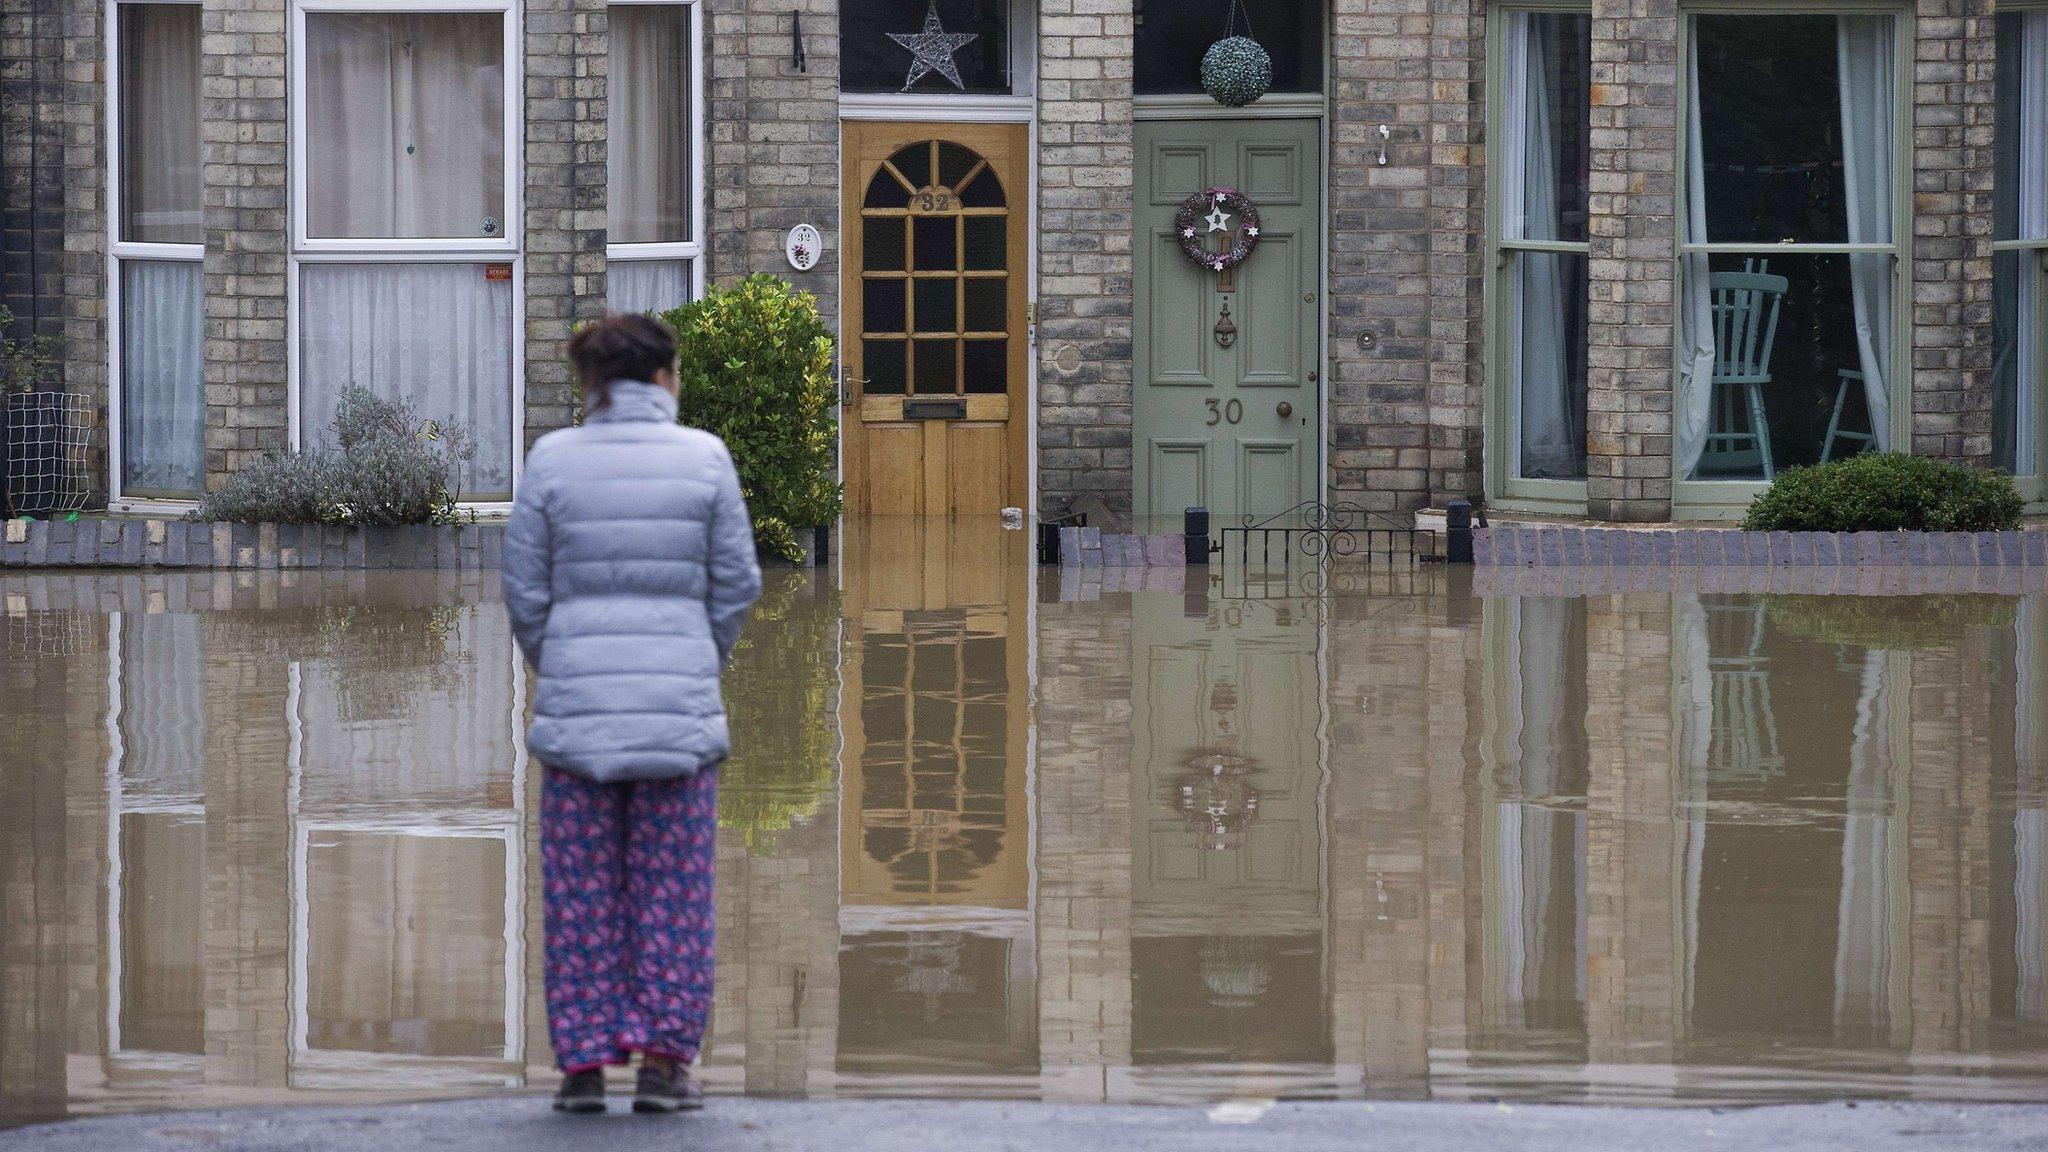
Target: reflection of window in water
point(2019, 833)
point(156, 871)
point(408, 861)
point(937, 1001)
point(1239, 999)
point(1536, 755)
point(1792, 859)
point(934, 771)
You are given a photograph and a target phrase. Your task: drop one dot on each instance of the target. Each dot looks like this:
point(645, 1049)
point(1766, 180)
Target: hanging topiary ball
point(1236, 71)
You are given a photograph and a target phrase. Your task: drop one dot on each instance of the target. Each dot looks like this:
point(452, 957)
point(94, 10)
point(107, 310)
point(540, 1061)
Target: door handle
point(847, 393)
point(1284, 409)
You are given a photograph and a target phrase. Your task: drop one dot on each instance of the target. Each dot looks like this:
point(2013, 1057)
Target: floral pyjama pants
point(627, 870)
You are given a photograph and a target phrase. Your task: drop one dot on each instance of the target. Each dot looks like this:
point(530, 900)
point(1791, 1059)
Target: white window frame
point(119, 250)
point(506, 249)
point(692, 249)
point(1727, 499)
point(1502, 423)
point(2034, 484)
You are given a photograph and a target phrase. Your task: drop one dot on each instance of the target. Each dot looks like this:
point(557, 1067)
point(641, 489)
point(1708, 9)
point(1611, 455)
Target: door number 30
point(1229, 413)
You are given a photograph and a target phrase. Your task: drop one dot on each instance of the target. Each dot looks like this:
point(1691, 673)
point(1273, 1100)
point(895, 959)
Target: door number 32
point(1229, 413)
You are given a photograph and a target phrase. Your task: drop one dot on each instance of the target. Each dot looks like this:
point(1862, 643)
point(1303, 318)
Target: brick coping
point(1566, 546)
point(144, 542)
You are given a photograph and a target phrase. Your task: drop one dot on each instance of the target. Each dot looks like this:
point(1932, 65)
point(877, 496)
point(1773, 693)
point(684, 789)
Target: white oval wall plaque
point(802, 247)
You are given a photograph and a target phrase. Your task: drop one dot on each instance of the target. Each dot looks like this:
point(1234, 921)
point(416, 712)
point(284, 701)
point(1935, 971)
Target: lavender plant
point(386, 466)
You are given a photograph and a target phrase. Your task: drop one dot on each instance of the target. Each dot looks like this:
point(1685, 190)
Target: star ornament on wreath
point(1210, 211)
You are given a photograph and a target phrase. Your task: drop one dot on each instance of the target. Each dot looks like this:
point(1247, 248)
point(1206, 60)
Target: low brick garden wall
point(1565, 546)
point(133, 542)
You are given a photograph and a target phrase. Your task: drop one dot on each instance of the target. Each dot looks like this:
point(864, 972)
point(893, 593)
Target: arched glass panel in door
point(935, 275)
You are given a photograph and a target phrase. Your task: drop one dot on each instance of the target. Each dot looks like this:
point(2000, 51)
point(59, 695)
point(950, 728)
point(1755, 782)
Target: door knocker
point(1226, 328)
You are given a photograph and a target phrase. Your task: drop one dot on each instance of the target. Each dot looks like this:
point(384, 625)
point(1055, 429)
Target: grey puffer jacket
point(629, 568)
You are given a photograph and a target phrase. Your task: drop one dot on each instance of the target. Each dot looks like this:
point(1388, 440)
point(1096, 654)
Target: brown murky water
point(271, 838)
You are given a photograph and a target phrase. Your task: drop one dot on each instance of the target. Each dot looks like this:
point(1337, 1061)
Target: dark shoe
point(667, 1089)
point(581, 1092)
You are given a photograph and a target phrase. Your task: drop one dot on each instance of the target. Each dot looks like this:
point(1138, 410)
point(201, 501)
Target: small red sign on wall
point(497, 271)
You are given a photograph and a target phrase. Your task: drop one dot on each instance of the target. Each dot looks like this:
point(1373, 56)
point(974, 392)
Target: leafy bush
point(24, 360)
point(779, 706)
point(1894, 623)
point(387, 467)
point(755, 367)
point(1886, 492)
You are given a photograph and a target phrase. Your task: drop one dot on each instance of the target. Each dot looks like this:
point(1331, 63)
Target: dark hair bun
point(622, 346)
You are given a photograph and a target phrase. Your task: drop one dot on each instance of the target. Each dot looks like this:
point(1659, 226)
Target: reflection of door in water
point(1231, 429)
point(937, 965)
point(1226, 902)
point(934, 284)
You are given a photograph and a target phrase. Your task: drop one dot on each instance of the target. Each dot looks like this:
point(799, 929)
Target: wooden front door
point(1229, 426)
point(935, 357)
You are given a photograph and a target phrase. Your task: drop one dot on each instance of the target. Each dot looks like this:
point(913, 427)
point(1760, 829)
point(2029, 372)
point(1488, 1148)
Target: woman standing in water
point(629, 568)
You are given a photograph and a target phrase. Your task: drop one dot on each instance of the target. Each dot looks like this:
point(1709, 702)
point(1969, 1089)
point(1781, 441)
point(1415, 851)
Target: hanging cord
point(1230, 18)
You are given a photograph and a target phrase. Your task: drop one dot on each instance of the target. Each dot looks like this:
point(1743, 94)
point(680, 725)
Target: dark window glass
point(987, 367)
point(1771, 128)
point(937, 307)
point(915, 162)
point(1172, 36)
point(882, 244)
point(883, 361)
point(938, 248)
point(881, 307)
point(984, 191)
point(870, 61)
point(955, 163)
point(885, 191)
point(987, 246)
point(938, 366)
point(985, 300)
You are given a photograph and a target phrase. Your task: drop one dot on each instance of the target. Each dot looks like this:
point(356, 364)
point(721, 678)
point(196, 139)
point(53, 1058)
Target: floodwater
point(271, 838)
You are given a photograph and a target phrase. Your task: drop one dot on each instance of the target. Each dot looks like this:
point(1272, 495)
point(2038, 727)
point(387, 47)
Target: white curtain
point(163, 392)
point(1692, 656)
point(437, 335)
point(1866, 64)
point(163, 706)
point(647, 285)
point(405, 125)
point(1692, 408)
point(2029, 90)
point(160, 124)
point(1550, 444)
point(1863, 917)
point(647, 164)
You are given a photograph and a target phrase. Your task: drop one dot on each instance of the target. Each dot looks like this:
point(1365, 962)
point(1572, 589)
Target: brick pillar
point(1457, 185)
point(1084, 851)
point(1086, 161)
point(1951, 235)
point(243, 152)
point(1633, 269)
point(1948, 848)
point(1380, 245)
point(567, 42)
point(774, 141)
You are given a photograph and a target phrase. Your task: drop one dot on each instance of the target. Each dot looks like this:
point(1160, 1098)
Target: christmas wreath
point(1211, 210)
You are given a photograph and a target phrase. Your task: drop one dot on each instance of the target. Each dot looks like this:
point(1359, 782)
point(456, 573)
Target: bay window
point(157, 244)
point(406, 237)
point(1538, 276)
point(1790, 293)
point(2020, 240)
point(655, 252)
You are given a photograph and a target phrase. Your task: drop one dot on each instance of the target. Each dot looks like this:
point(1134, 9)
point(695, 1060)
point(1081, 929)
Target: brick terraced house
point(1616, 258)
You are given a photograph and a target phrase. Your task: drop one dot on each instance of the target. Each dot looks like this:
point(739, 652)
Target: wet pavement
point(269, 839)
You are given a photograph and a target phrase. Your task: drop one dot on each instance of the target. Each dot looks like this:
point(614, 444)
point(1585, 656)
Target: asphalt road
point(747, 1125)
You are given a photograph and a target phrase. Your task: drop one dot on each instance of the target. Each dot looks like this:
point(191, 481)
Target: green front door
point(1229, 425)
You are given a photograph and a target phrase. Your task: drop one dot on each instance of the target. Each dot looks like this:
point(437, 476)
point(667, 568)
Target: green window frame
point(1509, 251)
point(1719, 499)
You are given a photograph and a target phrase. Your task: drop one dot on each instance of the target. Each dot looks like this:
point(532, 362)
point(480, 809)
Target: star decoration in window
point(932, 49)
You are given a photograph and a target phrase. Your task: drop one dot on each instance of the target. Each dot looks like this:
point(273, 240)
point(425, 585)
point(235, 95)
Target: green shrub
point(386, 467)
point(25, 361)
point(1895, 623)
point(1886, 492)
point(779, 705)
point(755, 367)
